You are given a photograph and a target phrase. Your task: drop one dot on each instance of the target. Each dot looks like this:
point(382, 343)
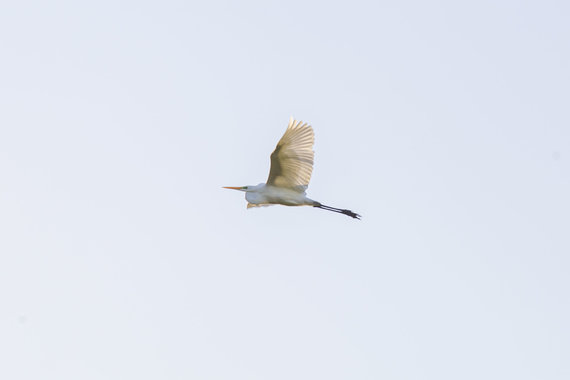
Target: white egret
point(290, 173)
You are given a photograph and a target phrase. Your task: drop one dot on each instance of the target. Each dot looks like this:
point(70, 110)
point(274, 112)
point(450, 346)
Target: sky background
point(445, 124)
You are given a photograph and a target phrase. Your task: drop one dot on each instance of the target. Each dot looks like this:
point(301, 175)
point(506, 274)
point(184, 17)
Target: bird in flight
point(290, 173)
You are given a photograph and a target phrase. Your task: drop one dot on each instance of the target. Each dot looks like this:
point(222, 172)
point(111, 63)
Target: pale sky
point(444, 124)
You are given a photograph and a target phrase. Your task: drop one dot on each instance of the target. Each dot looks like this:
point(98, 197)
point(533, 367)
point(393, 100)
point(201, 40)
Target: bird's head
point(250, 188)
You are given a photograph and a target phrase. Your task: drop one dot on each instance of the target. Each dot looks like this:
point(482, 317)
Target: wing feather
point(292, 159)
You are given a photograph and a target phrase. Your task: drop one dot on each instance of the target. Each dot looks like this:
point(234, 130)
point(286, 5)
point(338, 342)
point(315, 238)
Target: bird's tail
point(352, 214)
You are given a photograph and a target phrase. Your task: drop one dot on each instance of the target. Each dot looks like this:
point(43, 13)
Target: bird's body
point(265, 195)
point(290, 173)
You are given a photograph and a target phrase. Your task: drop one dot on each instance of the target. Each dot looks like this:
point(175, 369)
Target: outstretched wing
point(292, 159)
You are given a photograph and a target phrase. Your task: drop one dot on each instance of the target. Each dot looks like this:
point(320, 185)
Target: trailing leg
point(350, 213)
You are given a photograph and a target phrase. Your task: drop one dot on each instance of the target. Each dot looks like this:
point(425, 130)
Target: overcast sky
point(445, 124)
